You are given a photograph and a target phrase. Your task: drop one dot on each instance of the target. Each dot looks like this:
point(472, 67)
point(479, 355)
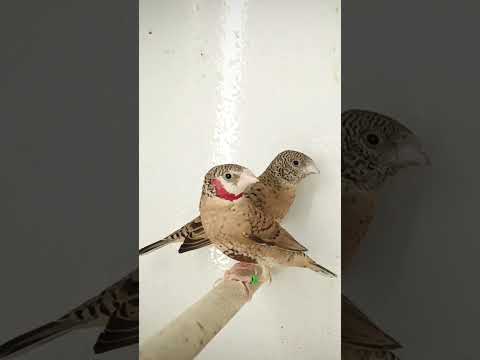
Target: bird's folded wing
point(359, 330)
point(193, 235)
point(266, 230)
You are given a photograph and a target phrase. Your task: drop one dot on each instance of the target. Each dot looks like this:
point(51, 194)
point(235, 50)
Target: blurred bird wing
point(117, 306)
point(120, 331)
point(122, 326)
point(359, 330)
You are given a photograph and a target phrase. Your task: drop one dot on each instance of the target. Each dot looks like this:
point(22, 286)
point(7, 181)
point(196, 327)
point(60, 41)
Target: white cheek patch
point(246, 179)
point(231, 188)
point(243, 184)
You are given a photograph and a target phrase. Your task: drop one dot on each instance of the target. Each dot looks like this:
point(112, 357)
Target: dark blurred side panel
point(69, 167)
point(414, 275)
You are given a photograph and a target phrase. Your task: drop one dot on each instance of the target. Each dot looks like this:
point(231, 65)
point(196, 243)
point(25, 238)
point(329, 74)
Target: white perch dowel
point(189, 333)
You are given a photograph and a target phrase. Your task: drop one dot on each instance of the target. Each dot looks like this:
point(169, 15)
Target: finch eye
point(228, 176)
point(295, 162)
point(373, 139)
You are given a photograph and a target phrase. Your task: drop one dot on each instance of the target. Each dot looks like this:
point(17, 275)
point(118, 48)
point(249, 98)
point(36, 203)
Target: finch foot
point(246, 273)
point(268, 273)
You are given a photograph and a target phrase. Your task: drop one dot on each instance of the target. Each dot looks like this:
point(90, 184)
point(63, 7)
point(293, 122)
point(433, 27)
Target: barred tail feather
point(189, 245)
point(319, 268)
point(157, 245)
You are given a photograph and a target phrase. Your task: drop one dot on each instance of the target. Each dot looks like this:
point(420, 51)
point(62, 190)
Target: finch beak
point(407, 152)
point(247, 178)
point(311, 168)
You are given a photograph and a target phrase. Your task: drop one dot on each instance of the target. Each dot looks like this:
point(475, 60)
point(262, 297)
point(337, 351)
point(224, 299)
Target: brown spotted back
point(273, 201)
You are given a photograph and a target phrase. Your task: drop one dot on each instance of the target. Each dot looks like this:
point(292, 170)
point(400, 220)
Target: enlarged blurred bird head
point(290, 167)
point(375, 146)
point(228, 181)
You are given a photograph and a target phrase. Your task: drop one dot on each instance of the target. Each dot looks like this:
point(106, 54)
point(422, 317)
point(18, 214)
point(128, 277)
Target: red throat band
point(222, 193)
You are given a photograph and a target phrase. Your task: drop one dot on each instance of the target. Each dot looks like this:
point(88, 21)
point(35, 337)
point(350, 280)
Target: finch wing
point(266, 230)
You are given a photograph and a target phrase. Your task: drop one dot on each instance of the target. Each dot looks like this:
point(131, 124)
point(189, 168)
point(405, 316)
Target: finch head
point(228, 181)
point(291, 167)
point(375, 146)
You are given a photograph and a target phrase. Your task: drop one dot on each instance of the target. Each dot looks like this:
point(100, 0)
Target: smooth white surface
point(240, 81)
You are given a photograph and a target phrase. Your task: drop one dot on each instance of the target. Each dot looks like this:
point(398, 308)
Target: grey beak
point(407, 152)
point(311, 168)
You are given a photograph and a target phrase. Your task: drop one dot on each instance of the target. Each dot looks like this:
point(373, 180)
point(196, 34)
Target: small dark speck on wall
point(149, 33)
point(201, 53)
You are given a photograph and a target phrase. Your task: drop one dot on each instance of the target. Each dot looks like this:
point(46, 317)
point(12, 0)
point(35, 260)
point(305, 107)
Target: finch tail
point(157, 245)
point(37, 336)
point(318, 268)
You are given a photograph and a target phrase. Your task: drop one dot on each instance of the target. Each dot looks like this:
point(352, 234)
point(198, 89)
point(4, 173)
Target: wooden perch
point(187, 335)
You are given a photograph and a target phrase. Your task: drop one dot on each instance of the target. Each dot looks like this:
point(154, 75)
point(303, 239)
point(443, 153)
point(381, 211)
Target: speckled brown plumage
point(240, 227)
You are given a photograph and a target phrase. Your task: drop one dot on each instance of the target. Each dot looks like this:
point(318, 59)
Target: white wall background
point(239, 81)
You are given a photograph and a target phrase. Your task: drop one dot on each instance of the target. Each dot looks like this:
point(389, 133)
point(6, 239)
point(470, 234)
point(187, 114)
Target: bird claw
point(266, 270)
point(246, 274)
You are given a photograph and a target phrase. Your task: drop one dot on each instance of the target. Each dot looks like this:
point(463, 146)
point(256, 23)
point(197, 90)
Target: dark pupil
point(295, 162)
point(228, 176)
point(373, 139)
